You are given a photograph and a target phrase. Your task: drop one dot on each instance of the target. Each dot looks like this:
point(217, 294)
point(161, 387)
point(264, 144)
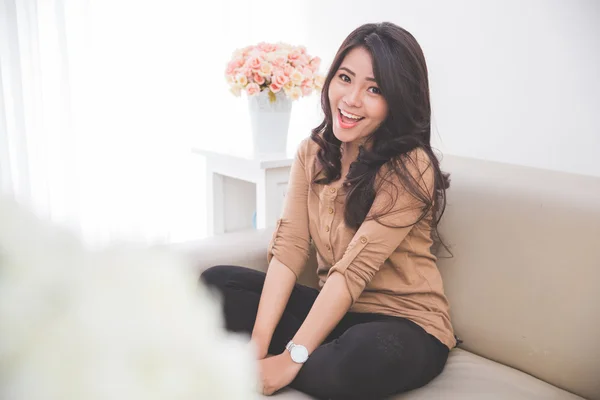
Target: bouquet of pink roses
point(274, 67)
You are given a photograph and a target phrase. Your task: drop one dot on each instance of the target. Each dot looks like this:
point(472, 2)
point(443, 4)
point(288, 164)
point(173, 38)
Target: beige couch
point(524, 282)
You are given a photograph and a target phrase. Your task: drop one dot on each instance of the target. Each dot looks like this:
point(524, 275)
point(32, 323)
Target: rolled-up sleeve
point(290, 243)
point(376, 239)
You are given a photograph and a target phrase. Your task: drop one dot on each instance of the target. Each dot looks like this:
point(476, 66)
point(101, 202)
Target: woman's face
point(357, 106)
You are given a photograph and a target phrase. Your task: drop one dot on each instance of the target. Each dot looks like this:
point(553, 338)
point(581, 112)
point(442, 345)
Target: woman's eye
point(345, 77)
point(375, 90)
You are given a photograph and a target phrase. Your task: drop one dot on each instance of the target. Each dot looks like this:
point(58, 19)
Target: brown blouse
point(388, 270)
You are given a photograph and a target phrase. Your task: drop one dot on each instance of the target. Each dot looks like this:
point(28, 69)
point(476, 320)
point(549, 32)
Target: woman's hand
point(277, 372)
point(261, 346)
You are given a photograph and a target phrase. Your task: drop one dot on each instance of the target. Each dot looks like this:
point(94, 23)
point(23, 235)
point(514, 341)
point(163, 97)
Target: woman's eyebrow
point(353, 74)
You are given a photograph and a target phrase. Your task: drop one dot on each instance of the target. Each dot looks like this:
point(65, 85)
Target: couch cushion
point(470, 377)
point(288, 394)
point(523, 283)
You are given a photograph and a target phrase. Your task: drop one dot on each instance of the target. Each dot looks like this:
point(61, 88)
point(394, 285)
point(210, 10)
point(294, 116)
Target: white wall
point(514, 81)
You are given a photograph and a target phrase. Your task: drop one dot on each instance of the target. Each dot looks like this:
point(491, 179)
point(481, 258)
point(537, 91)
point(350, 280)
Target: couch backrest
point(524, 282)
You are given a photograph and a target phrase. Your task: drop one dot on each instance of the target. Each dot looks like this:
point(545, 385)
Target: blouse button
point(332, 190)
point(330, 210)
point(363, 239)
point(326, 228)
point(328, 247)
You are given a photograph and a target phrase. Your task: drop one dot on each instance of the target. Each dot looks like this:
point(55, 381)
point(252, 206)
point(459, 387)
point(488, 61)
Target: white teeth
point(348, 115)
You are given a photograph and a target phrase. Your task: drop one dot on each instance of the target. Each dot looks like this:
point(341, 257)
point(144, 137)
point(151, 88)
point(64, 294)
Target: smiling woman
point(364, 190)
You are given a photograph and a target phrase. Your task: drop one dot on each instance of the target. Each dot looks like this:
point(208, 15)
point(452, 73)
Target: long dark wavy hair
point(401, 74)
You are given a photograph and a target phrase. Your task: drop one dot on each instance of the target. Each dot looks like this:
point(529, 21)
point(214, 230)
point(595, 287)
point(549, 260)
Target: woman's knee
point(234, 277)
point(217, 275)
point(398, 357)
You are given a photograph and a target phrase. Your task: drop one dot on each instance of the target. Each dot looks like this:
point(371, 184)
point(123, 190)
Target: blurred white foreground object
point(123, 322)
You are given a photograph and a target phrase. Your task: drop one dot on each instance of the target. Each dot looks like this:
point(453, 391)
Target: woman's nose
point(352, 98)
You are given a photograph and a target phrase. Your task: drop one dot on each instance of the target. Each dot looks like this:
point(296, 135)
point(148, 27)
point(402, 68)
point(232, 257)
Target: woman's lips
point(346, 124)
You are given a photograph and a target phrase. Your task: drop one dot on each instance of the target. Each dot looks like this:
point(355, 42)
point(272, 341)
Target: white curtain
point(36, 142)
point(101, 102)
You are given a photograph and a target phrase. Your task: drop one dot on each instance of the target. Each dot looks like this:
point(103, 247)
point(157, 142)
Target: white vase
point(270, 121)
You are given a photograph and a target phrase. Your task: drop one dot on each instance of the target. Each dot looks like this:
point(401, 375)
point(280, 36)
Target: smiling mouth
point(349, 115)
point(348, 120)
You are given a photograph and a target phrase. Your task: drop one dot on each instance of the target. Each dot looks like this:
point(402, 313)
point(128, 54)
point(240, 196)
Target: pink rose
point(302, 49)
point(301, 61)
point(233, 65)
point(267, 47)
point(259, 79)
point(294, 55)
point(252, 89)
point(254, 64)
point(280, 80)
point(315, 63)
point(279, 61)
point(307, 72)
point(274, 88)
point(306, 90)
point(278, 71)
point(288, 69)
point(244, 71)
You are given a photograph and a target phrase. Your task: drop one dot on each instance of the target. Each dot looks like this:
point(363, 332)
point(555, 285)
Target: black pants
point(366, 356)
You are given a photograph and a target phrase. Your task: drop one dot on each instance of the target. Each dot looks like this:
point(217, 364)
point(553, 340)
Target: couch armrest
point(246, 248)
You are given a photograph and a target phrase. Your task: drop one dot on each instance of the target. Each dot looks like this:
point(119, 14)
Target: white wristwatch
point(298, 352)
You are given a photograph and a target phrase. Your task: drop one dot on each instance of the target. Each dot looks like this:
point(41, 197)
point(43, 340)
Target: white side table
point(238, 186)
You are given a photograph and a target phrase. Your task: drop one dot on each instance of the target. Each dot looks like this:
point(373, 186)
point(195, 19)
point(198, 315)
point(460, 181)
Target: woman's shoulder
point(416, 162)
point(307, 150)
point(414, 168)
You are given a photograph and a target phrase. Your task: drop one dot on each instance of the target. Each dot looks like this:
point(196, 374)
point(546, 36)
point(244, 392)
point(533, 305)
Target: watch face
point(299, 354)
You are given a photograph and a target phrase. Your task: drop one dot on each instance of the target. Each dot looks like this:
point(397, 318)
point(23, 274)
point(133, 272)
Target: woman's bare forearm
point(276, 292)
point(331, 305)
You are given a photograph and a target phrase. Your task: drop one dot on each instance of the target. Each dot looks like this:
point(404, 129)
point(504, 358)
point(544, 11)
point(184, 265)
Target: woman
point(366, 189)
